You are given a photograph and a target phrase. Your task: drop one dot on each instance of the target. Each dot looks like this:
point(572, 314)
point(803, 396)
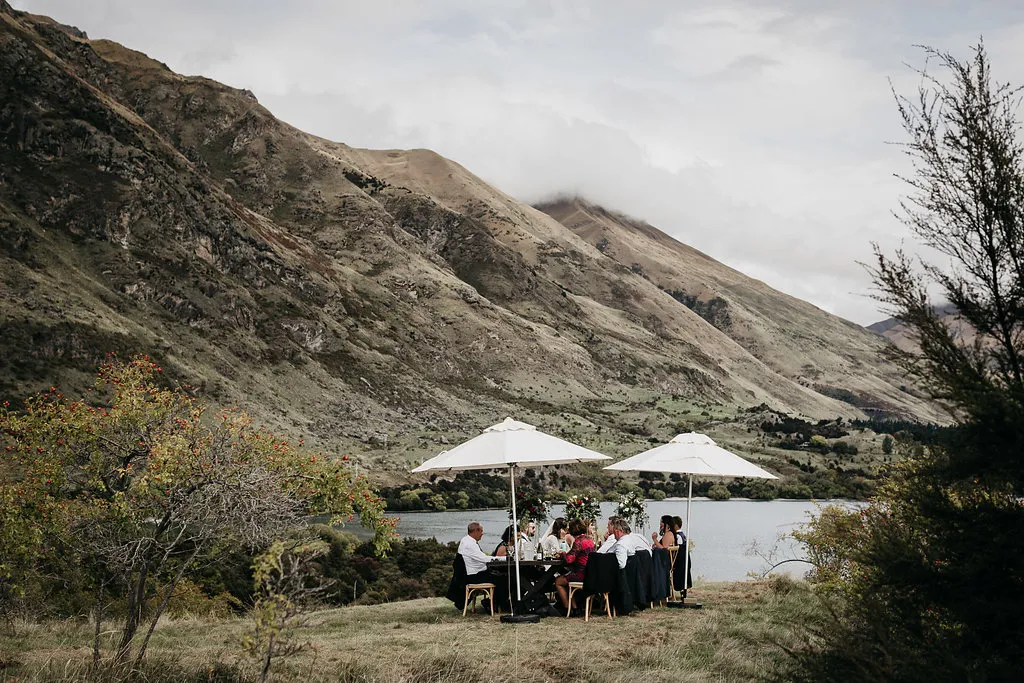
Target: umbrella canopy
point(510, 444)
point(692, 453)
point(506, 444)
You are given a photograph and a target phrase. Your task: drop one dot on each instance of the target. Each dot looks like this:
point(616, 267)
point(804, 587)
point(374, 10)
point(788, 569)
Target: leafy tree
point(410, 500)
point(139, 485)
point(844, 448)
point(930, 573)
point(887, 444)
point(719, 492)
point(760, 489)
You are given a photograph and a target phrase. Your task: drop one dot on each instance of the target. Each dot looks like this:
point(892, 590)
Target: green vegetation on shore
point(823, 459)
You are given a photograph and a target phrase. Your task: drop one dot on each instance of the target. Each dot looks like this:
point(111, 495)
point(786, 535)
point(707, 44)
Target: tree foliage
point(288, 586)
point(141, 484)
point(929, 574)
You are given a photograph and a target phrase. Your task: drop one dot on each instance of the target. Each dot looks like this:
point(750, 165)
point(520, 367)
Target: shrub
point(136, 485)
point(843, 448)
point(719, 492)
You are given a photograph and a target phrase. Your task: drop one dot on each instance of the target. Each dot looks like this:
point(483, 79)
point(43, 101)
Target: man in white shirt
point(475, 559)
point(527, 547)
point(635, 543)
point(609, 537)
point(620, 529)
point(623, 542)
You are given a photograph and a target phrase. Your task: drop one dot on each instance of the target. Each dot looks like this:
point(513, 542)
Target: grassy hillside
point(737, 636)
point(382, 304)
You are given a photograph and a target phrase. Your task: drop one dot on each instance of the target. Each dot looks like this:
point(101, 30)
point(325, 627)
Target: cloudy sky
point(755, 131)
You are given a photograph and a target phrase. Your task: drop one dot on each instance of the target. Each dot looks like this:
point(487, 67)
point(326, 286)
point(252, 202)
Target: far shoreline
point(671, 499)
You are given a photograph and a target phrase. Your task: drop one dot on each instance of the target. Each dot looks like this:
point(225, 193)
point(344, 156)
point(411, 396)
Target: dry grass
point(734, 638)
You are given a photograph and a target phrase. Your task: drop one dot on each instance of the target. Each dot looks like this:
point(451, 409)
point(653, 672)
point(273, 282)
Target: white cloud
point(754, 131)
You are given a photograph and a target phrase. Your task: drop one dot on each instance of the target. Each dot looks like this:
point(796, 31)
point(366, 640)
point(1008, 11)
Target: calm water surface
point(722, 531)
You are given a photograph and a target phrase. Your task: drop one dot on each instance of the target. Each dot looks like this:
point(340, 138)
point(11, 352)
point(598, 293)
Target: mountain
point(793, 338)
point(379, 301)
point(896, 331)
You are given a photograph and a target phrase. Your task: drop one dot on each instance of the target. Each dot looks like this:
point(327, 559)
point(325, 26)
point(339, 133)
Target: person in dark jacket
point(677, 523)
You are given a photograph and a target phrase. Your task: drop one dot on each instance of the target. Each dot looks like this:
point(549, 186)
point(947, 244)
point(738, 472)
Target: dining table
point(539, 577)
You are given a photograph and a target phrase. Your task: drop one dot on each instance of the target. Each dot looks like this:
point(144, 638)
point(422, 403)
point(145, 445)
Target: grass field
point(739, 635)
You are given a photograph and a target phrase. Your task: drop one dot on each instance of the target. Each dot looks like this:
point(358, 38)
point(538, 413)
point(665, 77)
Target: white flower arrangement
point(582, 507)
point(633, 510)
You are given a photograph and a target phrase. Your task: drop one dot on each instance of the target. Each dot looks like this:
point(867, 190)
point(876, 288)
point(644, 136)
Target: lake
point(722, 531)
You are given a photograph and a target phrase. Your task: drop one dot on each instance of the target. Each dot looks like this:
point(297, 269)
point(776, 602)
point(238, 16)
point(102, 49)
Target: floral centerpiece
point(633, 510)
point(530, 508)
point(582, 507)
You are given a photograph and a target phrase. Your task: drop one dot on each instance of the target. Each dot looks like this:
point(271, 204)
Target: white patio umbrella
point(510, 444)
point(691, 454)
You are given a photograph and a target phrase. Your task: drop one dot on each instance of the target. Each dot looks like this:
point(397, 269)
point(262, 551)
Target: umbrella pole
point(686, 550)
point(515, 530)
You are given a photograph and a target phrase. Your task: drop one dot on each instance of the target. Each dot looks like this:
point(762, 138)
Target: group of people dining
point(573, 542)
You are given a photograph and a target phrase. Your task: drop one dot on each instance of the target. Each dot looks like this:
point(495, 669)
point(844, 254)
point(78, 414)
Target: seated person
point(474, 566)
point(620, 529)
point(501, 550)
point(551, 544)
point(567, 541)
point(609, 538)
point(668, 536)
point(636, 543)
point(525, 545)
point(631, 542)
point(575, 560)
point(475, 559)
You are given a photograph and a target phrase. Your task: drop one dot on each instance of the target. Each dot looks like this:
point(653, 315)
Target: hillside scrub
point(109, 503)
point(928, 575)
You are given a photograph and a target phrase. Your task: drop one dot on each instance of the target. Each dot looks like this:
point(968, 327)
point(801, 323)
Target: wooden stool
point(573, 587)
point(475, 589)
point(609, 607)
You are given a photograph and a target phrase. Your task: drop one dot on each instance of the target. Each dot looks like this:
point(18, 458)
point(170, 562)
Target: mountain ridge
point(364, 297)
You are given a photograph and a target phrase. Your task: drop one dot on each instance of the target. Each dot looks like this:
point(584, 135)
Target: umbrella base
point(684, 604)
point(520, 618)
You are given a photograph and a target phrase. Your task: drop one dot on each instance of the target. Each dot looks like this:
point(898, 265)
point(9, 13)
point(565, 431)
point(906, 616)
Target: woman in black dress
point(677, 576)
point(668, 536)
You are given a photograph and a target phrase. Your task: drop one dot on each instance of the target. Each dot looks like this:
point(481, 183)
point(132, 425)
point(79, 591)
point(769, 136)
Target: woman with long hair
point(668, 535)
point(508, 537)
point(553, 540)
point(575, 560)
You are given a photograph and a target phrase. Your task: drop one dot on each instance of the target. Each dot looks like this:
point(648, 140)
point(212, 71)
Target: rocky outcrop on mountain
point(361, 296)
